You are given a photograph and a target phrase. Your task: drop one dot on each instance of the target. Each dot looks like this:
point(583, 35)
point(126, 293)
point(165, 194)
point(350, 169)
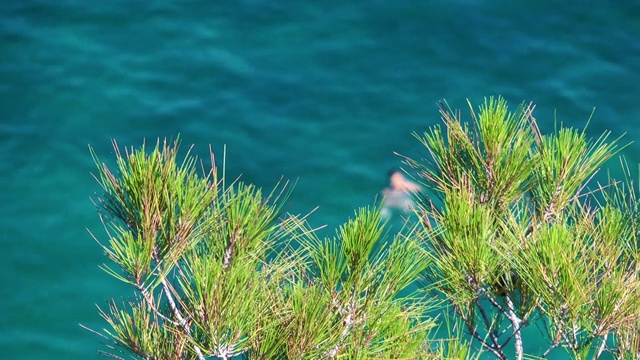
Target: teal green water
point(318, 92)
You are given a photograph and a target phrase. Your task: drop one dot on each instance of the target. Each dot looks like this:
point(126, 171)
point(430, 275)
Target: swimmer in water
point(398, 194)
point(398, 182)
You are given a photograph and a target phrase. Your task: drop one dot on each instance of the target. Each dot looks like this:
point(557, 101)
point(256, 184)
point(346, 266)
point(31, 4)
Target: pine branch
point(182, 321)
point(489, 326)
point(516, 322)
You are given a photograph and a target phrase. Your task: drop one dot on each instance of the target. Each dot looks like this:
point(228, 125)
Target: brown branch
point(147, 296)
point(492, 333)
point(474, 333)
point(228, 254)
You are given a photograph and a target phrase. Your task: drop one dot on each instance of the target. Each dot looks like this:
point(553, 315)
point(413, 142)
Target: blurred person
point(398, 195)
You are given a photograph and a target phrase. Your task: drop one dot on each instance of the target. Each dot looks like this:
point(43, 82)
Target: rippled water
point(319, 93)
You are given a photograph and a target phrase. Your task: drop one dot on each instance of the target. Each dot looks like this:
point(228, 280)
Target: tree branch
point(602, 346)
point(488, 324)
point(474, 333)
point(517, 324)
point(147, 296)
point(174, 308)
point(553, 346)
point(181, 320)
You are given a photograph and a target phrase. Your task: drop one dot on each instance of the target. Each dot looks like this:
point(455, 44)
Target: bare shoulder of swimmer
point(399, 182)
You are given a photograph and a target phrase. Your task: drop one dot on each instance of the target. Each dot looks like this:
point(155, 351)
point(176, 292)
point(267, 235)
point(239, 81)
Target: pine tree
point(512, 233)
point(519, 234)
point(219, 271)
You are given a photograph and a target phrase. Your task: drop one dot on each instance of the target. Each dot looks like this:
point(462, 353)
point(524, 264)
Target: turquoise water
point(303, 90)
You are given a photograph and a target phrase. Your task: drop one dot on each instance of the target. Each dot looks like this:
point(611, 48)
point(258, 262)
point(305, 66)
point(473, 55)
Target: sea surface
point(316, 92)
